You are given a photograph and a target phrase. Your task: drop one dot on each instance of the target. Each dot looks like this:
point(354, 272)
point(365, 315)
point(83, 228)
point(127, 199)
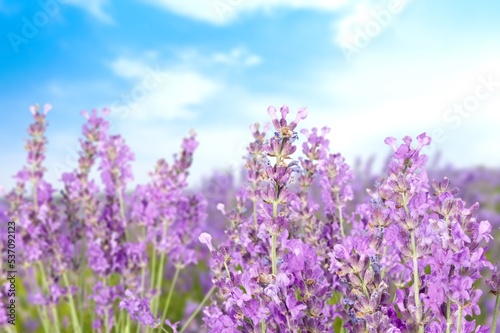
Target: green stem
point(405, 204)
point(459, 321)
point(35, 196)
point(57, 327)
point(92, 317)
point(120, 322)
point(363, 285)
point(416, 281)
point(122, 212)
point(159, 281)
point(341, 217)
point(153, 268)
point(159, 276)
point(122, 204)
point(10, 329)
point(106, 317)
point(44, 319)
point(143, 268)
point(255, 213)
point(262, 326)
point(164, 330)
point(170, 292)
point(448, 316)
point(193, 315)
point(273, 243)
point(127, 326)
point(288, 322)
point(273, 254)
point(495, 314)
point(44, 277)
point(151, 282)
point(72, 307)
point(384, 253)
point(45, 286)
point(275, 210)
point(82, 278)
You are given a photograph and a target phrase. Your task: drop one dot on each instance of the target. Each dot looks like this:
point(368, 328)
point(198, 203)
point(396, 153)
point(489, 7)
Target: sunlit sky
point(367, 69)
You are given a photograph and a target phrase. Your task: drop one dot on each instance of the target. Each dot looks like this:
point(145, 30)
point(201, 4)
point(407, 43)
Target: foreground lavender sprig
point(168, 218)
point(47, 248)
point(422, 230)
point(87, 233)
point(277, 194)
point(406, 197)
point(82, 206)
point(288, 290)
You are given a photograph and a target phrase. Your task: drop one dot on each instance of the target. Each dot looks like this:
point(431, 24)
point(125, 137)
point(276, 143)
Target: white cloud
point(361, 13)
point(387, 95)
point(237, 57)
point(363, 22)
point(55, 89)
point(223, 11)
point(94, 7)
point(175, 98)
point(175, 93)
point(129, 68)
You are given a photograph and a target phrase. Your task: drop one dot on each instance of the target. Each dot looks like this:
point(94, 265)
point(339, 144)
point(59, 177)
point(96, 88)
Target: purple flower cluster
point(297, 250)
point(428, 246)
point(269, 278)
point(99, 239)
point(411, 262)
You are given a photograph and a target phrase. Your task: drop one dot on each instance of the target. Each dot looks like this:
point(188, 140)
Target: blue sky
point(367, 69)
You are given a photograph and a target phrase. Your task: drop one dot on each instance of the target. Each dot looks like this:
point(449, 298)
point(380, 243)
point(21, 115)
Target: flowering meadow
point(306, 243)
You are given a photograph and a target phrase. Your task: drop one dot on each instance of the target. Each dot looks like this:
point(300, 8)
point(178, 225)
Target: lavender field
point(305, 243)
point(254, 166)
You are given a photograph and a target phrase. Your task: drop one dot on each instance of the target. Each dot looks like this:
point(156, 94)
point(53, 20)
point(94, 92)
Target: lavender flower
point(138, 309)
